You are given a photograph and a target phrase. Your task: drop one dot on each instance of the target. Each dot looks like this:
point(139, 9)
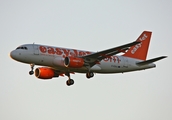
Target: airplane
point(58, 61)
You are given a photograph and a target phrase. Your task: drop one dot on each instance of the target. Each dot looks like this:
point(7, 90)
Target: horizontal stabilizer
point(151, 60)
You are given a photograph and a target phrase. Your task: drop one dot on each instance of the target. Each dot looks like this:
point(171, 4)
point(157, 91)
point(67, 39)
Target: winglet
point(139, 51)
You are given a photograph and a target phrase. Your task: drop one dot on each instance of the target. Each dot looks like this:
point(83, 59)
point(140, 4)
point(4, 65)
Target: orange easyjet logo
point(143, 37)
point(136, 47)
point(62, 51)
point(72, 52)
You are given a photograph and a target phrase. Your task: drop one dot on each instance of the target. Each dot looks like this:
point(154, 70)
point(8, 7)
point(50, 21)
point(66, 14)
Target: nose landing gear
point(32, 67)
point(70, 81)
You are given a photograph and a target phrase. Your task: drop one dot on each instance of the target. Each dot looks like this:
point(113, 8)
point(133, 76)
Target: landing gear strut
point(32, 67)
point(89, 74)
point(70, 81)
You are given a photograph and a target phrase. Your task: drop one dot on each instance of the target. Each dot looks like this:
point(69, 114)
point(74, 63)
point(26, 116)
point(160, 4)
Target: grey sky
point(88, 25)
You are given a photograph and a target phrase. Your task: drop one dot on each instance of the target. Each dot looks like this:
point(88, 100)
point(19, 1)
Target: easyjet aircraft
point(58, 61)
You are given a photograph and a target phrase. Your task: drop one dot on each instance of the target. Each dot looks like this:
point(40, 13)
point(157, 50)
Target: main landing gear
point(70, 81)
point(89, 75)
point(32, 67)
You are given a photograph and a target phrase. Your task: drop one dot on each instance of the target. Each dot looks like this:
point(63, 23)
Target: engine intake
point(73, 62)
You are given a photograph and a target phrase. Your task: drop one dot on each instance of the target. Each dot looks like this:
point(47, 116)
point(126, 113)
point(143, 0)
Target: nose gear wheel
point(70, 81)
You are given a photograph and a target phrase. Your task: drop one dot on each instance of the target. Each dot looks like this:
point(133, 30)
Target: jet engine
point(44, 73)
point(59, 61)
point(73, 62)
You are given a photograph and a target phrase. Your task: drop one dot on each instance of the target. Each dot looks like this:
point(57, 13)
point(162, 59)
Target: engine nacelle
point(58, 61)
point(73, 62)
point(44, 73)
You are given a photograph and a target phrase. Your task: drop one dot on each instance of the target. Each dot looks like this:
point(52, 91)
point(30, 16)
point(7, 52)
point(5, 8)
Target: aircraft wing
point(92, 59)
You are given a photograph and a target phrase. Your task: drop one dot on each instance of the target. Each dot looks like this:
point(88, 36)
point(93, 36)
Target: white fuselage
point(53, 57)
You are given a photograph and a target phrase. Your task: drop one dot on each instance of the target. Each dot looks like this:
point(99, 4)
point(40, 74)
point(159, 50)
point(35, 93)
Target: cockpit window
point(24, 48)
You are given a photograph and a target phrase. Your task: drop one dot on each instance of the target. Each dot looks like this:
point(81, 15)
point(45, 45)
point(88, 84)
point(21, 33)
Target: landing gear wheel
point(31, 72)
point(89, 74)
point(69, 82)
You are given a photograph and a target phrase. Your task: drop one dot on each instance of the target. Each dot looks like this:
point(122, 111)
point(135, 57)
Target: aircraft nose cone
point(12, 54)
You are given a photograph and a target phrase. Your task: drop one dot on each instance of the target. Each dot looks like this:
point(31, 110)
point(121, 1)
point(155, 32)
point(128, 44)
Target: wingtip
point(164, 57)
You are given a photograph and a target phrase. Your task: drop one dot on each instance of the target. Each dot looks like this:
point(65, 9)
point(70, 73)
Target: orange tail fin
point(140, 50)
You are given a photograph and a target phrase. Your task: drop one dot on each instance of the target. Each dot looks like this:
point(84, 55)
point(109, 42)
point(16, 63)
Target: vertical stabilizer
point(140, 50)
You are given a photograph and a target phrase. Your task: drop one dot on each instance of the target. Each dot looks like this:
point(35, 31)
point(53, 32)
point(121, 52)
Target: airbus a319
point(58, 61)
